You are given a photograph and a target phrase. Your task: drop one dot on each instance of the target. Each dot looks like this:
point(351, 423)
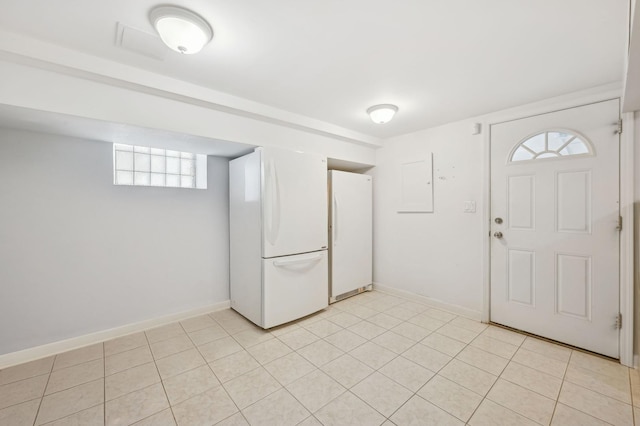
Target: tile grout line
point(161, 382)
point(45, 389)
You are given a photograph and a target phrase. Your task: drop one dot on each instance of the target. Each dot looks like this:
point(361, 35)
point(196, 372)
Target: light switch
point(469, 206)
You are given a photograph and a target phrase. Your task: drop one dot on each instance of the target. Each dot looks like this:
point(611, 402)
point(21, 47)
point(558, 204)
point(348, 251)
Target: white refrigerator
point(350, 234)
point(278, 235)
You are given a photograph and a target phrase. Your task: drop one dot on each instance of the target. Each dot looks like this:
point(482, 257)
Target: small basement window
point(146, 166)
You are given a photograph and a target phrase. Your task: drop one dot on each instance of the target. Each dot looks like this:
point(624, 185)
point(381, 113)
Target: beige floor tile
point(174, 345)
point(197, 323)
point(163, 418)
point(494, 346)
point(289, 368)
point(165, 332)
point(443, 344)
point(345, 319)
point(236, 325)
point(375, 356)
point(471, 325)
point(136, 406)
point(458, 333)
point(205, 409)
point(125, 360)
point(599, 365)
point(596, 405)
point(268, 351)
point(323, 328)
point(297, 339)
point(418, 412)
point(233, 366)
point(345, 340)
point(319, 353)
point(469, 376)
point(483, 360)
point(76, 375)
point(78, 356)
point(427, 322)
point(567, 416)
point(252, 336)
point(383, 394)
point(427, 357)
point(540, 362)
point(206, 335)
point(310, 421)
point(186, 385)
point(315, 390)
point(411, 331)
point(219, 348)
point(125, 343)
point(22, 391)
point(491, 414)
point(362, 311)
point(348, 409)
point(279, 408)
point(347, 370)
point(179, 363)
point(451, 397)
point(634, 377)
point(284, 329)
point(394, 342)
point(93, 416)
point(537, 381)
point(547, 349)
point(234, 420)
point(367, 330)
point(504, 335)
point(251, 387)
point(522, 401)
point(416, 308)
point(407, 373)
point(71, 401)
point(26, 370)
point(617, 387)
point(385, 321)
point(130, 380)
point(400, 313)
point(20, 414)
point(440, 314)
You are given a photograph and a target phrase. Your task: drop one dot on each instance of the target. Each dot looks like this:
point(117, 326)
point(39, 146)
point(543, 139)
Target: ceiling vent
point(140, 42)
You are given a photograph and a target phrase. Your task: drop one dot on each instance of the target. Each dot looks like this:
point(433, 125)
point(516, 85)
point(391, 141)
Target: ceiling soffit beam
point(22, 50)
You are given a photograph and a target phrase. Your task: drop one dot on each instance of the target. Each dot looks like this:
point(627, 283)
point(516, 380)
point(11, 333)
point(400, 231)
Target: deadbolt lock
point(498, 220)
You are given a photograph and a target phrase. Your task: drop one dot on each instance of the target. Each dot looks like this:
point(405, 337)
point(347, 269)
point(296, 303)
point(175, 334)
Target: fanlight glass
point(551, 144)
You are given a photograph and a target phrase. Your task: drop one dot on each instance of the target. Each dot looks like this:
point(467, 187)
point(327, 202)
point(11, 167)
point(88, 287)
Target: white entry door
point(554, 225)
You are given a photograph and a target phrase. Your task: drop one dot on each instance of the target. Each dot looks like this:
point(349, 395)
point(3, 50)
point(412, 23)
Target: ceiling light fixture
point(181, 29)
point(382, 113)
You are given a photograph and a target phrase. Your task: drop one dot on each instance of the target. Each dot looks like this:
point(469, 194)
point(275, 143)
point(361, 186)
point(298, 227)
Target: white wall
point(79, 255)
point(439, 254)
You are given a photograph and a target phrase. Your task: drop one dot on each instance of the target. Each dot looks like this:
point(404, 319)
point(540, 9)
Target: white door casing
point(555, 271)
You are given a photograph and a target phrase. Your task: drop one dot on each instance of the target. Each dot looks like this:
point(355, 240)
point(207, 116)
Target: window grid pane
point(145, 166)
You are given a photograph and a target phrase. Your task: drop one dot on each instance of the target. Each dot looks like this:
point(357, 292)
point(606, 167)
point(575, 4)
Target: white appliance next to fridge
point(278, 235)
point(351, 234)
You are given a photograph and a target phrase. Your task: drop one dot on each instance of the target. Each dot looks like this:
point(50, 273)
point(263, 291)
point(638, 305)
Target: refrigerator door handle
point(297, 261)
point(335, 218)
point(276, 216)
point(271, 199)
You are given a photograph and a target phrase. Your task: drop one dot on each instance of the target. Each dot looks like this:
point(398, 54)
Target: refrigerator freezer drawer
point(294, 286)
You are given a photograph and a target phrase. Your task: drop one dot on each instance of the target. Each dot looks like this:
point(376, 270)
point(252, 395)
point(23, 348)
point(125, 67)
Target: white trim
point(626, 239)
point(486, 225)
point(31, 354)
point(434, 303)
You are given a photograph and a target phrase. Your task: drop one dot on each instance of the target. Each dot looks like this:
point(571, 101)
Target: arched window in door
point(551, 144)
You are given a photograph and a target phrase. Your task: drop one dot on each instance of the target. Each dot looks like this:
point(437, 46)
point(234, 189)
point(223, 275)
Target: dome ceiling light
point(181, 29)
point(383, 113)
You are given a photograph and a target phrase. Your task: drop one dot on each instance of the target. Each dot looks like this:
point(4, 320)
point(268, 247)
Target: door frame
point(626, 205)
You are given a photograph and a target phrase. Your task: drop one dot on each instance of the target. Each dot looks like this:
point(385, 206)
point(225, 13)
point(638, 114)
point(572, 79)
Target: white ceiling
point(438, 60)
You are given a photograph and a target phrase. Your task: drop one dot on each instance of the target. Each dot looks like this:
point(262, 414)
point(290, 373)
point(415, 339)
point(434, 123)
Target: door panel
point(555, 185)
point(295, 202)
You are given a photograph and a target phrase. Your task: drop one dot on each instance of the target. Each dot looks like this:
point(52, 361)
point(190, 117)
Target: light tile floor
point(369, 360)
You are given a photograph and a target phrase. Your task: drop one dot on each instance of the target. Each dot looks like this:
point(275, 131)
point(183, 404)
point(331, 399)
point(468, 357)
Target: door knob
point(498, 234)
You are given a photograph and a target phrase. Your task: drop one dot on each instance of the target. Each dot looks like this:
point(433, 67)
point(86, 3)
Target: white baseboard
point(434, 303)
point(31, 354)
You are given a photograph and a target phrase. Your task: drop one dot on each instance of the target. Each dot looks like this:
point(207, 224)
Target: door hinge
point(619, 127)
point(619, 226)
point(618, 321)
